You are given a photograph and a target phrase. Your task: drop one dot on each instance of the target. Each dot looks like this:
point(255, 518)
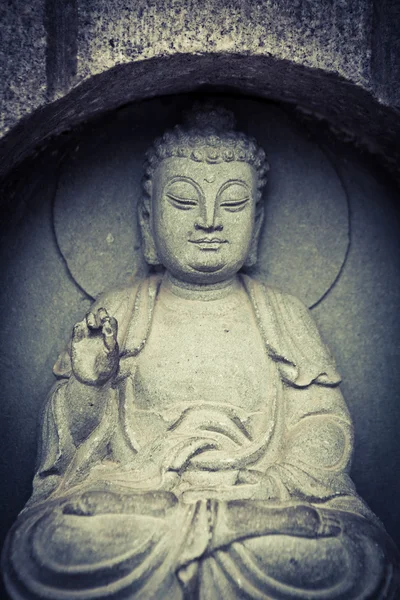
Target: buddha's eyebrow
point(186, 179)
point(227, 184)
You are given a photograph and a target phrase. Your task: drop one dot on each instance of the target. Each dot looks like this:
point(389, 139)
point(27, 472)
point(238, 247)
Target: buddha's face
point(202, 217)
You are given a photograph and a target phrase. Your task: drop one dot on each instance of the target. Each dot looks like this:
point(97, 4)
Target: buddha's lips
point(208, 241)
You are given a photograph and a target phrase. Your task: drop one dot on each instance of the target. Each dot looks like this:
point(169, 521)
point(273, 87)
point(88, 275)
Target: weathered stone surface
point(318, 35)
point(385, 51)
point(23, 84)
point(338, 59)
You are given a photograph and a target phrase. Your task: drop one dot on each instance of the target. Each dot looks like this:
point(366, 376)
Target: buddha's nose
point(208, 218)
point(208, 228)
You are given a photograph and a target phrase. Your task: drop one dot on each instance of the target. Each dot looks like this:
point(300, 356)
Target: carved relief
point(196, 443)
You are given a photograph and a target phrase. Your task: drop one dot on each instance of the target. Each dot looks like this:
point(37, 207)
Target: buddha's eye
point(182, 203)
point(234, 197)
point(182, 194)
point(235, 206)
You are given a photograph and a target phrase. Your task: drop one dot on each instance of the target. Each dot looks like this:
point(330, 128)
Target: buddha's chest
point(202, 353)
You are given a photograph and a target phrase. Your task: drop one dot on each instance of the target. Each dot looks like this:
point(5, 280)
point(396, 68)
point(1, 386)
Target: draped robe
point(110, 519)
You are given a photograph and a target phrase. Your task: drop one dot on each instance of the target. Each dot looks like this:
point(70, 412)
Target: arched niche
point(350, 108)
point(42, 293)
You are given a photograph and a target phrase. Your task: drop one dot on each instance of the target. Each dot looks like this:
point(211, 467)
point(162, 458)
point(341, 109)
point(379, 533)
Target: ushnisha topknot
point(207, 134)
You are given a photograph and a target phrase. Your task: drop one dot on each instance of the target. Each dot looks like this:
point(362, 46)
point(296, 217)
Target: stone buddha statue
point(196, 443)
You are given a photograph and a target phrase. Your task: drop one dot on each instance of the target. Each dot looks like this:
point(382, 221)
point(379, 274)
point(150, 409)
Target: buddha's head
point(201, 211)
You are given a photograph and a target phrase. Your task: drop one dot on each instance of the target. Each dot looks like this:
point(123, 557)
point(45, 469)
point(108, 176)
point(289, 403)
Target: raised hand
point(95, 351)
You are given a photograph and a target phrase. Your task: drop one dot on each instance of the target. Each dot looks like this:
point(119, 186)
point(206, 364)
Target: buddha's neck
point(203, 291)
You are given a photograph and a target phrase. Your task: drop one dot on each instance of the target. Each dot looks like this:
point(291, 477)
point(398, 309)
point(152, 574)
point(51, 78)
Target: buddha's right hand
point(95, 351)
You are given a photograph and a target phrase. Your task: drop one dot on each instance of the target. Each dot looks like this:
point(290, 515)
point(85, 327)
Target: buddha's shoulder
point(292, 338)
point(277, 299)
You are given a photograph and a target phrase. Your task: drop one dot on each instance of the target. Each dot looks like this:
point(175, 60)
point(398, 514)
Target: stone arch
point(350, 110)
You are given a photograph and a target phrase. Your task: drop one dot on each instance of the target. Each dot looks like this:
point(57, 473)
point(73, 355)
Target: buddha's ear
point(149, 247)
point(259, 218)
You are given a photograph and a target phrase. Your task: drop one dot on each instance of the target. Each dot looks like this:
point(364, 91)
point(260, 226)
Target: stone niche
point(87, 87)
point(331, 237)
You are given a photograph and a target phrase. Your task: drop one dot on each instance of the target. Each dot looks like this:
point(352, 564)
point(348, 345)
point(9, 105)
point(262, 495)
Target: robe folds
point(109, 518)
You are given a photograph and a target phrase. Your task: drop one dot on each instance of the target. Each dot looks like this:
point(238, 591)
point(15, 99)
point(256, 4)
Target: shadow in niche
point(71, 231)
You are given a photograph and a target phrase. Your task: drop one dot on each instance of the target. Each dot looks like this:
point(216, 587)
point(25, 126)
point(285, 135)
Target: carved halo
point(305, 235)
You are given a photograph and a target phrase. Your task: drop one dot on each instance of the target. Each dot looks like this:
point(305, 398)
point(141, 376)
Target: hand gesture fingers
point(91, 320)
point(109, 331)
point(100, 321)
point(96, 319)
point(94, 348)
